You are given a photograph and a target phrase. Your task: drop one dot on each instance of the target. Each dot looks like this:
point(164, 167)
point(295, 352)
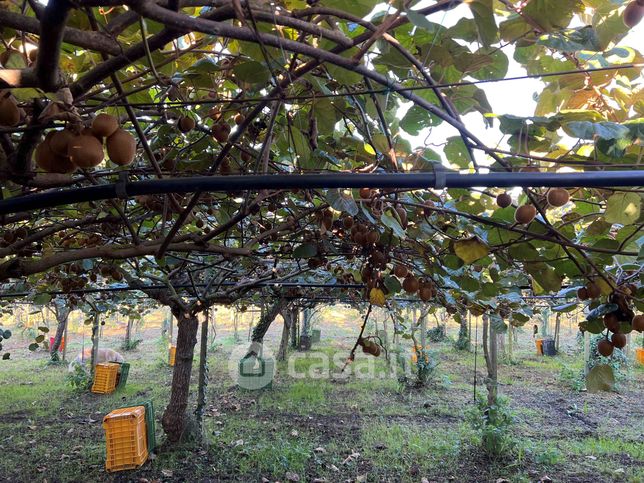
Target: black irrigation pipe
point(437, 180)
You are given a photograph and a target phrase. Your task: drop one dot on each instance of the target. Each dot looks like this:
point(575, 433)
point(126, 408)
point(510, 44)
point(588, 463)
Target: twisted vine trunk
point(174, 419)
point(62, 316)
point(267, 318)
point(203, 373)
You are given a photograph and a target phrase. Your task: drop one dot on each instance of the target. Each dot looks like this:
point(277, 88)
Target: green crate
point(123, 373)
point(150, 424)
point(315, 335)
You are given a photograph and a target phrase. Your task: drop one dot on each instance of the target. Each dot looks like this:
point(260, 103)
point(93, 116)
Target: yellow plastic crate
point(126, 444)
point(105, 377)
point(172, 355)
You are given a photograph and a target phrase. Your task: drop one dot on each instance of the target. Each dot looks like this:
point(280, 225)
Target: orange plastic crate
point(639, 355)
point(539, 344)
point(105, 377)
point(125, 439)
point(172, 355)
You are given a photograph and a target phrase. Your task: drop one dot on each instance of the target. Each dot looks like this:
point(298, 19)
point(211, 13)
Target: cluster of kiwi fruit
point(369, 346)
point(64, 151)
point(615, 323)
point(556, 197)
point(10, 237)
point(10, 113)
point(633, 13)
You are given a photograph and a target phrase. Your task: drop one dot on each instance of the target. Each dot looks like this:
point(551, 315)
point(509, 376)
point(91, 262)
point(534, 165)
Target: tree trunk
point(174, 418)
point(128, 334)
point(510, 342)
point(306, 322)
point(66, 340)
point(287, 315)
point(463, 338)
point(295, 324)
point(95, 337)
point(491, 361)
point(266, 320)
point(203, 373)
point(557, 330)
point(62, 315)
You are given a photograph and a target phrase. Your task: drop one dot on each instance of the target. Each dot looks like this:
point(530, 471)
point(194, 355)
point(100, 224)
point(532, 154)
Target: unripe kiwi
point(410, 284)
point(85, 151)
point(633, 14)
point(618, 340)
point(638, 323)
point(59, 141)
point(611, 322)
point(558, 197)
point(221, 132)
point(9, 112)
point(49, 161)
point(400, 271)
point(593, 290)
point(525, 214)
point(121, 147)
point(104, 125)
point(186, 124)
point(605, 348)
point(503, 200)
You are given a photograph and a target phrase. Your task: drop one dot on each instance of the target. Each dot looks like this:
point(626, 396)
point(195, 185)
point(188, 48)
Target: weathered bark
point(295, 325)
point(62, 316)
point(174, 417)
point(287, 315)
point(463, 341)
point(203, 373)
point(557, 330)
point(128, 334)
point(268, 316)
point(491, 360)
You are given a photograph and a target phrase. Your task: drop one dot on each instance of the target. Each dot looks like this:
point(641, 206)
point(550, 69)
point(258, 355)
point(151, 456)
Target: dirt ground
point(310, 426)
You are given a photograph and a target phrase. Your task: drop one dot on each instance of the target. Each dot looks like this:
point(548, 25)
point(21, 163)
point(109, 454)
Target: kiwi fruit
point(373, 236)
point(611, 322)
point(605, 348)
point(410, 284)
point(633, 14)
point(9, 112)
point(582, 293)
point(429, 204)
point(347, 222)
point(104, 125)
point(425, 293)
point(239, 118)
point(59, 141)
point(557, 197)
point(400, 271)
point(503, 200)
point(525, 214)
point(220, 132)
point(638, 323)
point(402, 214)
point(365, 193)
point(49, 161)
point(121, 147)
point(359, 237)
point(618, 340)
point(85, 151)
point(593, 290)
point(186, 124)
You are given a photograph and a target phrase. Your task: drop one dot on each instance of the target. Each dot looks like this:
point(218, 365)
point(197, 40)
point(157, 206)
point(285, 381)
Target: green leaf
point(600, 378)
point(623, 208)
point(598, 312)
point(419, 20)
point(456, 152)
point(391, 222)
point(485, 23)
point(590, 130)
point(392, 283)
point(565, 307)
point(545, 277)
point(42, 299)
point(306, 250)
point(471, 249)
point(342, 201)
point(252, 72)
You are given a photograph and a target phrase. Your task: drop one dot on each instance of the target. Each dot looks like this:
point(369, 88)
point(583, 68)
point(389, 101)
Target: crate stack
point(126, 438)
point(105, 376)
point(172, 355)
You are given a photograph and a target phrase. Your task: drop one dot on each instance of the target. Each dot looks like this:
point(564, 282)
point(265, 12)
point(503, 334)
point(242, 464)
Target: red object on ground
point(61, 348)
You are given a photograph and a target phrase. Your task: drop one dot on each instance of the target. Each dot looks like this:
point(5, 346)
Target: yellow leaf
point(377, 297)
point(471, 249)
point(604, 286)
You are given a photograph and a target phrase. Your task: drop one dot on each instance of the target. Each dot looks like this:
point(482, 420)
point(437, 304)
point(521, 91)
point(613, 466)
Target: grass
point(321, 427)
